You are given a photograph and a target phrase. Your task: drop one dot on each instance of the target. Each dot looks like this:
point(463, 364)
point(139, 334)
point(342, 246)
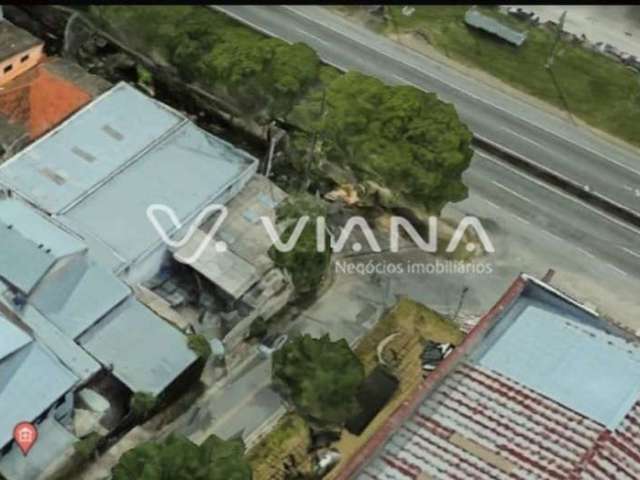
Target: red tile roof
point(536, 436)
point(469, 422)
point(39, 100)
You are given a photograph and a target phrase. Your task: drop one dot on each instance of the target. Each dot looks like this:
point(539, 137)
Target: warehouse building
point(541, 388)
point(65, 319)
point(98, 172)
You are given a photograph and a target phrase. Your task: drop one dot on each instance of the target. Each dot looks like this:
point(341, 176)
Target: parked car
point(272, 344)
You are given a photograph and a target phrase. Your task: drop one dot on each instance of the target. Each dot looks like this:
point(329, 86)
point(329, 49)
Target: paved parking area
point(618, 25)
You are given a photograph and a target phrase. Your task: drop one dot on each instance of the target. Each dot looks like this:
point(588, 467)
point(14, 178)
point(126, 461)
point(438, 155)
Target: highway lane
point(597, 239)
point(607, 168)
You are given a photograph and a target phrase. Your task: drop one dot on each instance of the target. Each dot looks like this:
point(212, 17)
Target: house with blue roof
point(97, 173)
point(70, 318)
point(34, 386)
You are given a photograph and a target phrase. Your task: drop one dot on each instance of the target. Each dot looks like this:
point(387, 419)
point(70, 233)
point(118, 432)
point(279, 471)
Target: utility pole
point(550, 61)
point(459, 307)
point(556, 41)
point(389, 9)
point(315, 137)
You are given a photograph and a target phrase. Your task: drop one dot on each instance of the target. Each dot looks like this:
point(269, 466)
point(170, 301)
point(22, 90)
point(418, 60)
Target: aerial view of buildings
point(369, 242)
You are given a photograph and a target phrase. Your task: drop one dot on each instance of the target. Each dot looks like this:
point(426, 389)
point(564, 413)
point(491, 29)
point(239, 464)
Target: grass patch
point(597, 89)
point(290, 437)
point(415, 321)
point(416, 324)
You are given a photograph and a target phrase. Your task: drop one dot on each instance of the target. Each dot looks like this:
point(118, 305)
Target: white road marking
point(631, 252)
point(421, 69)
point(561, 193)
point(520, 218)
point(585, 252)
point(555, 236)
point(528, 140)
point(621, 272)
point(507, 189)
point(304, 32)
point(494, 205)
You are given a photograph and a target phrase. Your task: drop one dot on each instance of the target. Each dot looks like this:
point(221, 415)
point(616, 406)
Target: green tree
point(305, 263)
point(320, 377)
point(176, 458)
point(200, 346)
point(142, 404)
point(398, 136)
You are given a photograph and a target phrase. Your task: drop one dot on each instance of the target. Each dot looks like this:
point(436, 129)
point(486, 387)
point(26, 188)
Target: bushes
point(401, 137)
point(200, 346)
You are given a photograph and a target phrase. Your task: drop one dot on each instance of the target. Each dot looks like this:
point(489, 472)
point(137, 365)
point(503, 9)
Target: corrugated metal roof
point(570, 362)
point(83, 151)
point(79, 296)
point(69, 353)
point(30, 244)
point(185, 172)
point(225, 269)
point(146, 352)
point(122, 153)
point(12, 338)
point(53, 441)
point(476, 19)
point(31, 380)
point(550, 390)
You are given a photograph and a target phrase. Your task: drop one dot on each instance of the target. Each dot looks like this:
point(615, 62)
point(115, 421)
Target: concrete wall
point(17, 64)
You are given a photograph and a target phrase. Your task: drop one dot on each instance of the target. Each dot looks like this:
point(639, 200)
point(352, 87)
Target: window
point(8, 68)
point(25, 58)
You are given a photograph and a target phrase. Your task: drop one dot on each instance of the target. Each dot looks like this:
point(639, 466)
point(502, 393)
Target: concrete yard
point(618, 25)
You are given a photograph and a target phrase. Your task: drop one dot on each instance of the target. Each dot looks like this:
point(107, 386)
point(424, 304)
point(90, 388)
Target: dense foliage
point(142, 404)
point(176, 458)
point(320, 377)
point(305, 263)
point(398, 136)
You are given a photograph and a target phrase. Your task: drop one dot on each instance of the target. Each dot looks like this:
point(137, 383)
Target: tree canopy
point(306, 265)
point(398, 136)
point(176, 458)
point(402, 138)
point(320, 377)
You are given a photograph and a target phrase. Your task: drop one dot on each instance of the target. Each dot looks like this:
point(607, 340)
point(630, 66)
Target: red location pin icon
point(25, 435)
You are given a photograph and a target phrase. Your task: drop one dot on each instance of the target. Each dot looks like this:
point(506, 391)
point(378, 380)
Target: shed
point(488, 24)
point(31, 379)
point(146, 353)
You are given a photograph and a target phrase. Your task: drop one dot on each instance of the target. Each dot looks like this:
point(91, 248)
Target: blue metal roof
point(69, 352)
point(12, 338)
point(146, 352)
point(65, 164)
point(79, 297)
point(30, 244)
point(31, 380)
point(98, 172)
point(549, 347)
point(53, 442)
point(185, 171)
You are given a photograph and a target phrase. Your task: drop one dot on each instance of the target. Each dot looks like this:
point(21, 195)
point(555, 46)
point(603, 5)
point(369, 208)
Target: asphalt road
point(535, 226)
point(554, 142)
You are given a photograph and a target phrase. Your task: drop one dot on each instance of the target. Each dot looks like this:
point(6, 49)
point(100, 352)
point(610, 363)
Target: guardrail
point(556, 179)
